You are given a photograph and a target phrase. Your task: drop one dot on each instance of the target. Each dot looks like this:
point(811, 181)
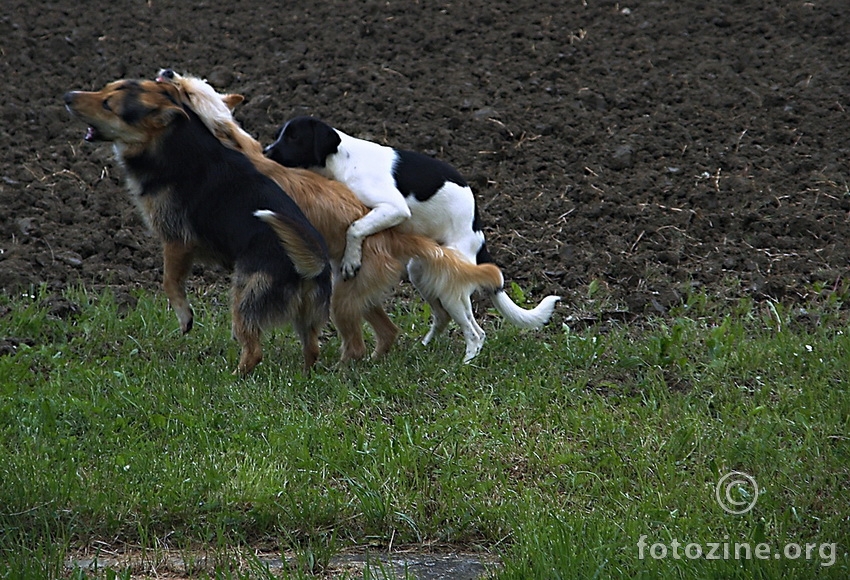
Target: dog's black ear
point(325, 141)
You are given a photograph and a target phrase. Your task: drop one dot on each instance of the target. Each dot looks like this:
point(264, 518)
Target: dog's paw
point(186, 321)
point(349, 270)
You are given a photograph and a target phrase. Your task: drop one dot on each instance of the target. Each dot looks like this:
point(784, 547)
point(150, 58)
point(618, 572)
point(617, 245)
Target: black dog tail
point(309, 256)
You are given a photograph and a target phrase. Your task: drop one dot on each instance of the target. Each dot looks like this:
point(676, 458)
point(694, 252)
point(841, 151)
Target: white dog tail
point(534, 318)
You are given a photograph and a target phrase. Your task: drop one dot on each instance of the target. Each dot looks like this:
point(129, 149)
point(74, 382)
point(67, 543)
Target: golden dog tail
point(444, 272)
point(309, 256)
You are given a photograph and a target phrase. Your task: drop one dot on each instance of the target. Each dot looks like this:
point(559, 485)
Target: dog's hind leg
point(308, 334)
point(439, 321)
point(471, 317)
point(357, 297)
point(308, 324)
point(385, 330)
point(439, 317)
point(248, 335)
point(248, 310)
point(177, 264)
point(461, 312)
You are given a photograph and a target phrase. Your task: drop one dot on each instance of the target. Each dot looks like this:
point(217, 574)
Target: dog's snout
point(167, 73)
point(69, 97)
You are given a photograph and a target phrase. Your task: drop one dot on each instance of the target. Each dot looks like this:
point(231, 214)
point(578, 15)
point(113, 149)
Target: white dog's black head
point(303, 142)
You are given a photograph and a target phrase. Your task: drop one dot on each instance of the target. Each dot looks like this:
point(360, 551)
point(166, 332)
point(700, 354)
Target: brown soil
point(656, 146)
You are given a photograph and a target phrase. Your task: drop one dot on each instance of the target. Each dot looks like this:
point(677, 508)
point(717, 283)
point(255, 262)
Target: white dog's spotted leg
point(352, 257)
point(474, 343)
point(479, 335)
point(439, 317)
point(383, 216)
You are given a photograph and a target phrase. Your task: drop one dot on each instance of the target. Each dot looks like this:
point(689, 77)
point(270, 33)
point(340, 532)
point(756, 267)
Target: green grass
point(556, 450)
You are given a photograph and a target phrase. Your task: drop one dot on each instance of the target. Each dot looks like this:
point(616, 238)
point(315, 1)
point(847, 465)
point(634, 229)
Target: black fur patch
point(303, 142)
point(133, 109)
point(421, 176)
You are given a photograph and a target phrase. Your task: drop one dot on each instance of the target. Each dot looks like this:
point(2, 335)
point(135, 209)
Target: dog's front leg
point(383, 216)
point(177, 264)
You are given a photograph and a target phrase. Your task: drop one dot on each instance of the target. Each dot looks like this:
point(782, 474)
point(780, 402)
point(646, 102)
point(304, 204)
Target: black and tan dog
point(204, 200)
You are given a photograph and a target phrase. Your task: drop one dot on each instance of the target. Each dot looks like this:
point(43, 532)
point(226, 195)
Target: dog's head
point(215, 109)
point(304, 142)
point(201, 97)
point(130, 112)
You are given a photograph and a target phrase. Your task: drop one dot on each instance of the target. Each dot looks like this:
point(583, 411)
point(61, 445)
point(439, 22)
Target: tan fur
point(133, 138)
point(331, 207)
point(177, 265)
point(163, 216)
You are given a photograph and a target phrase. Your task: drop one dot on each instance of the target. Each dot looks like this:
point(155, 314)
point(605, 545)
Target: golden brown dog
point(445, 278)
point(201, 199)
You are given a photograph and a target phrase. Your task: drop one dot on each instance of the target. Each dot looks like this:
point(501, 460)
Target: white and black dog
point(411, 190)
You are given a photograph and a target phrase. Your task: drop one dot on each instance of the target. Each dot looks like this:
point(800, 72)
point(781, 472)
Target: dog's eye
point(106, 106)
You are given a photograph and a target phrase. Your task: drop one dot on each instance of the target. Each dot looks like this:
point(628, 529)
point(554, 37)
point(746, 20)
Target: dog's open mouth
point(92, 134)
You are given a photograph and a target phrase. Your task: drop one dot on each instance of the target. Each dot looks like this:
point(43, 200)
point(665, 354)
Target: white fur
point(367, 169)
point(446, 217)
point(209, 104)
